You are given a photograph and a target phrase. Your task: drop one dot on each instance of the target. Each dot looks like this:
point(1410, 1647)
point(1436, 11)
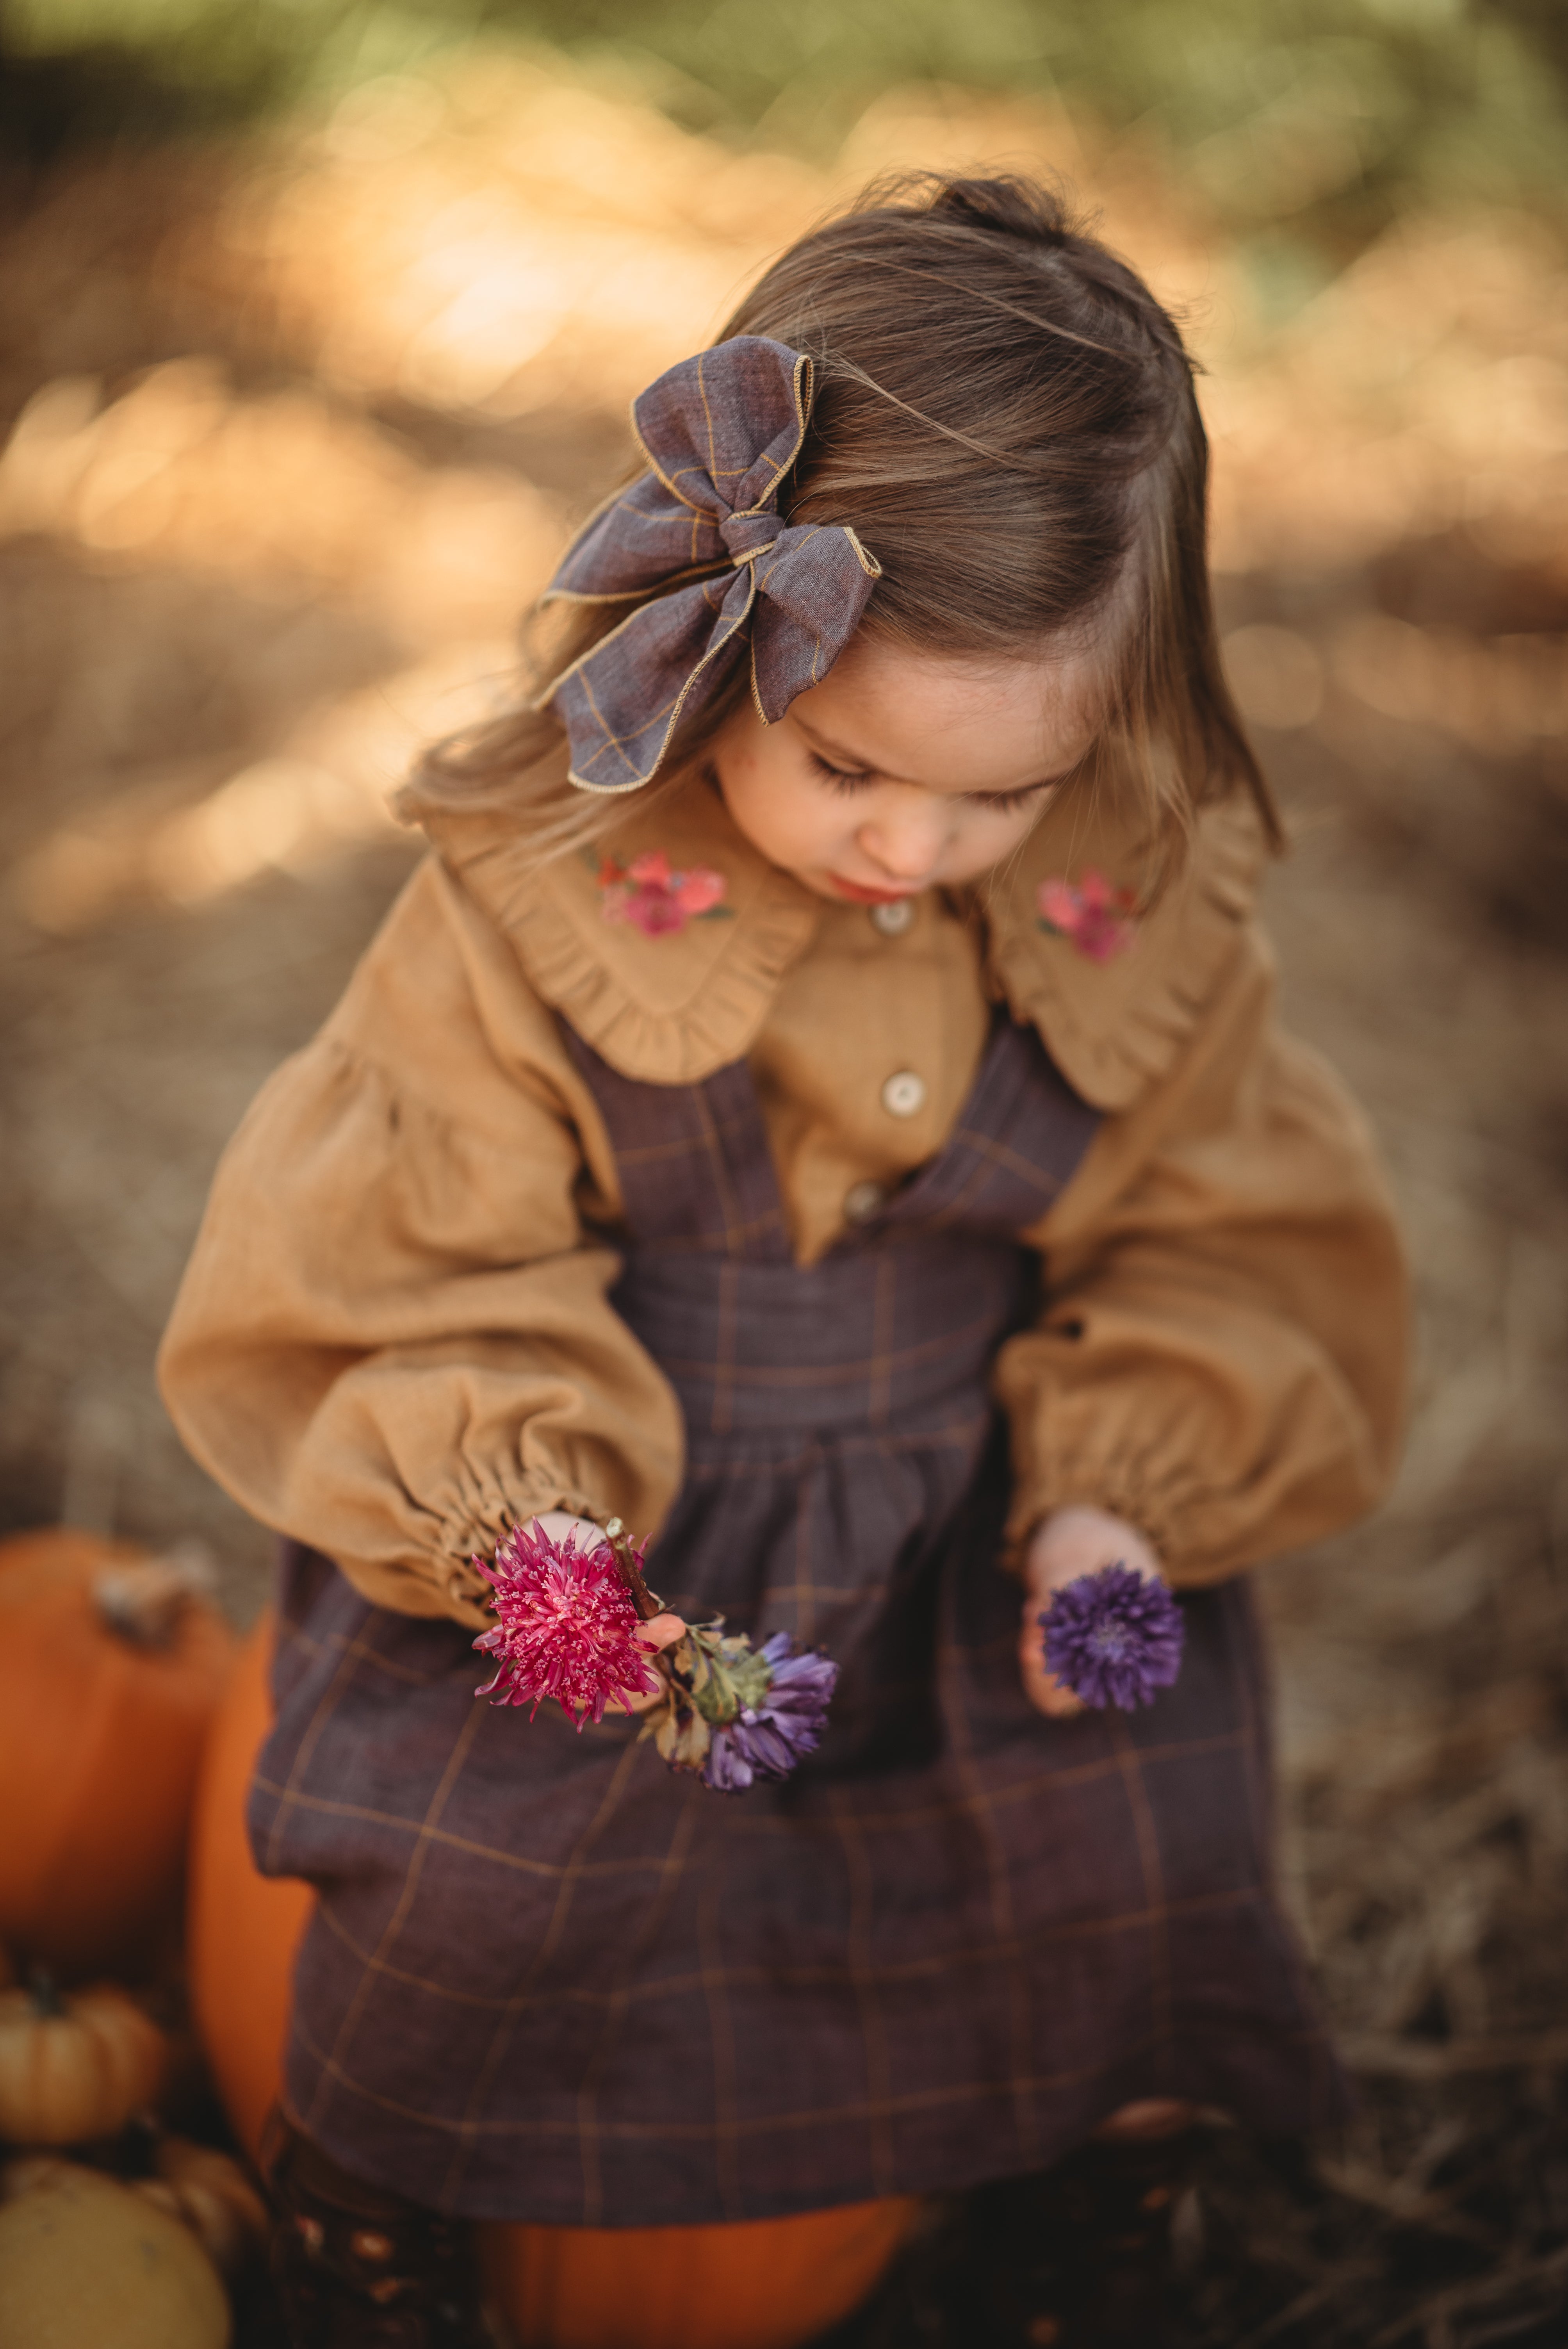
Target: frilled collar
point(671, 1005)
point(1114, 1028)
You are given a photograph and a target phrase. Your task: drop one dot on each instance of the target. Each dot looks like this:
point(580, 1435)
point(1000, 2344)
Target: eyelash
point(848, 780)
point(839, 779)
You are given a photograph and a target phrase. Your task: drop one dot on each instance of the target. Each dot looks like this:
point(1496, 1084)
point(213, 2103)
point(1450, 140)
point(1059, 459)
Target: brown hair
point(1005, 417)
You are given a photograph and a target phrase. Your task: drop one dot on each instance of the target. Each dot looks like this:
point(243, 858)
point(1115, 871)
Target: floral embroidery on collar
point(1096, 917)
point(656, 898)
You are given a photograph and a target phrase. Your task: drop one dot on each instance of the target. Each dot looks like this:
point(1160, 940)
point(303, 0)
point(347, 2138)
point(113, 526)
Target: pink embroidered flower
point(1094, 915)
point(652, 897)
point(567, 1627)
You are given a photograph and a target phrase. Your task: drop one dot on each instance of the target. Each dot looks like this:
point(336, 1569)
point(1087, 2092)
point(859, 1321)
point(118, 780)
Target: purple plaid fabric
point(548, 1980)
point(720, 432)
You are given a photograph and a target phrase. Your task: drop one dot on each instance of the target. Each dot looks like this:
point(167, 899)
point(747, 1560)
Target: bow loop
point(722, 430)
point(720, 433)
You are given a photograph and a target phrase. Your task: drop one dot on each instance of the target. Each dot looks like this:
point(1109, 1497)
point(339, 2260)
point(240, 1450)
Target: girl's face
point(902, 771)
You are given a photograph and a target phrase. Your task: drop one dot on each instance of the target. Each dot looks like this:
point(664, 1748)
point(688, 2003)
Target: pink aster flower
point(567, 1627)
point(656, 898)
point(1093, 914)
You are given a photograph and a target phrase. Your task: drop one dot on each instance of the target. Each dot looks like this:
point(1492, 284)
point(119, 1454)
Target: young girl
point(820, 1103)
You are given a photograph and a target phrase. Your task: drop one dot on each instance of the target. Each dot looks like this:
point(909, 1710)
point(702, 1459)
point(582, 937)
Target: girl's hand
point(1068, 1543)
point(660, 1631)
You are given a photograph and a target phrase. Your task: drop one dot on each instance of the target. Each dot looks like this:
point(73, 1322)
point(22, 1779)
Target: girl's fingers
point(1068, 1543)
point(1044, 1690)
point(658, 1632)
point(562, 1527)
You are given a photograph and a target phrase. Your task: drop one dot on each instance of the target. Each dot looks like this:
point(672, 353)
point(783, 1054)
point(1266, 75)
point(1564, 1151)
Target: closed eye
point(839, 779)
point(1004, 803)
point(855, 778)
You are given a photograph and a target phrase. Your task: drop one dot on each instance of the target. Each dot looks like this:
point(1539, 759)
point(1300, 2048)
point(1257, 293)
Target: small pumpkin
point(111, 1665)
point(85, 2263)
point(212, 2194)
point(74, 2068)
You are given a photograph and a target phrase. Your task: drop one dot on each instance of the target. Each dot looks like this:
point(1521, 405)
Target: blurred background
point(320, 324)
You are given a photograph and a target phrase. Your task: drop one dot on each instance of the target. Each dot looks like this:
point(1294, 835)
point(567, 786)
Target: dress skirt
point(548, 1980)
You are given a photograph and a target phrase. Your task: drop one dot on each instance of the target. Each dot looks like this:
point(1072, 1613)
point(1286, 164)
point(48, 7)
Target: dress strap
point(693, 1163)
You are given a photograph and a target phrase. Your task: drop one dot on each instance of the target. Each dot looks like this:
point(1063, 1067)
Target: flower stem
point(643, 1598)
point(625, 1558)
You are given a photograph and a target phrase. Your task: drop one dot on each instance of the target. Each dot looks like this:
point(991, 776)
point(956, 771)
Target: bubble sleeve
point(393, 1336)
point(1221, 1358)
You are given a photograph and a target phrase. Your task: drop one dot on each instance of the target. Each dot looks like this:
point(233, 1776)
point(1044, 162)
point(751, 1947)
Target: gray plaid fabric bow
point(719, 431)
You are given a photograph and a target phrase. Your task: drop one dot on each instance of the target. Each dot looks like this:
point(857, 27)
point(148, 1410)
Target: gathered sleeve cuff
point(1221, 1355)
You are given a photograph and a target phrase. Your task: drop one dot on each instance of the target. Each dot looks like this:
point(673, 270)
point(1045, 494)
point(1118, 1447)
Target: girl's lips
point(863, 896)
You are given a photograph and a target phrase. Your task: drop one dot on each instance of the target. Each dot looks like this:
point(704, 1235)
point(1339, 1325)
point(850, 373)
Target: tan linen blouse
point(394, 1336)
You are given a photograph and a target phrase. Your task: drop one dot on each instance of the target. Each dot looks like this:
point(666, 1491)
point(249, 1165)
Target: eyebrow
point(846, 758)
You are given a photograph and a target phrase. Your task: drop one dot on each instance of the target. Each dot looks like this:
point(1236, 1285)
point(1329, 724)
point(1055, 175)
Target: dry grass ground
point(294, 433)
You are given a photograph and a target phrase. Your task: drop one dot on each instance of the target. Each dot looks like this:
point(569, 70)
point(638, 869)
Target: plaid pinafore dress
point(548, 1980)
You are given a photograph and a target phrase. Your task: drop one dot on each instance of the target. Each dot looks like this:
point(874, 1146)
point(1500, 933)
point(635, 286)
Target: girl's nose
point(905, 847)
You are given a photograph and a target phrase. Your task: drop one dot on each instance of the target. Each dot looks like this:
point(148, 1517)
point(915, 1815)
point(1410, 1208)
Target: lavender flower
point(567, 1627)
point(1114, 1637)
point(769, 1736)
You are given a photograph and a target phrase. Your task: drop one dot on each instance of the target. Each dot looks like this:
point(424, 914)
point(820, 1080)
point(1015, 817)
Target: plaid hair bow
point(719, 431)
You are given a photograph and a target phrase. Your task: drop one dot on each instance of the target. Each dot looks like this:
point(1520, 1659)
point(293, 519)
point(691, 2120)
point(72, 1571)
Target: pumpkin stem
point(43, 1992)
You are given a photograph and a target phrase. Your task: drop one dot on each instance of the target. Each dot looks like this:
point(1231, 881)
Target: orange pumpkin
point(110, 1667)
point(762, 2284)
point(241, 1929)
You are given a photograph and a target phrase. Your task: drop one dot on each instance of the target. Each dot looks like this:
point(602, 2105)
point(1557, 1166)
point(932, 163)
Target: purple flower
point(1114, 1637)
point(567, 1627)
point(768, 1739)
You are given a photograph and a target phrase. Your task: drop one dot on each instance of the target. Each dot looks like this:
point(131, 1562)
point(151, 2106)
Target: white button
point(864, 1200)
point(893, 919)
point(904, 1094)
